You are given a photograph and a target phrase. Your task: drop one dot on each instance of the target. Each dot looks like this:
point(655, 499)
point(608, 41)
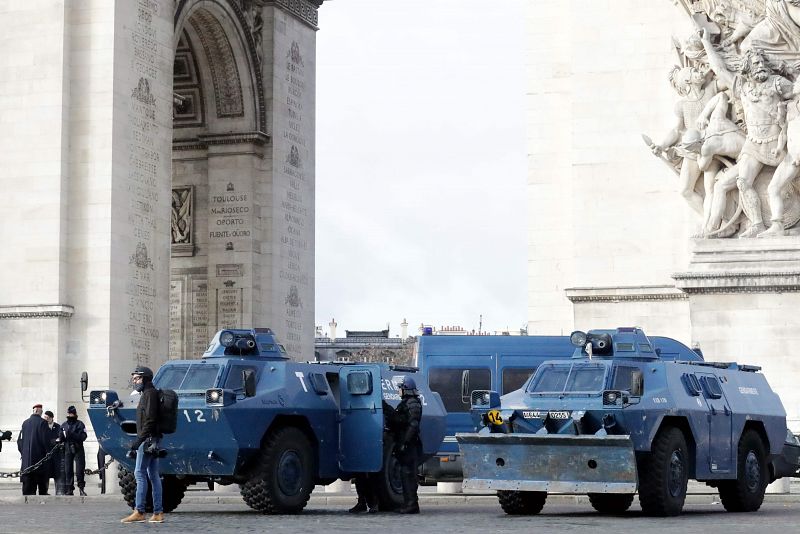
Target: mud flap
point(551, 463)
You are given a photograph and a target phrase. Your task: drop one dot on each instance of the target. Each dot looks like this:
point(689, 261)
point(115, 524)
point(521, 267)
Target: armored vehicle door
point(720, 425)
point(360, 420)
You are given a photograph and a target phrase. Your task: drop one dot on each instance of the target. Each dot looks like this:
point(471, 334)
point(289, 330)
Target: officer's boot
point(410, 504)
point(361, 506)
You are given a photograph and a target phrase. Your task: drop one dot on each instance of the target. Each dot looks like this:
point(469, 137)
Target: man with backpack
point(145, 448)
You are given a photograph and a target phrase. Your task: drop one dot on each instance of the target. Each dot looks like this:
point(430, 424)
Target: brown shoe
point(135, 517)
point(156, 518)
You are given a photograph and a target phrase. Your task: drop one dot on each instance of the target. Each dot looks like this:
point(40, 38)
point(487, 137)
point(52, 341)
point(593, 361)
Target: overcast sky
point(421, 164)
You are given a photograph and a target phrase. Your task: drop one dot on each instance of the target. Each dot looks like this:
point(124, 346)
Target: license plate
point(559, 415)
point(529, 414)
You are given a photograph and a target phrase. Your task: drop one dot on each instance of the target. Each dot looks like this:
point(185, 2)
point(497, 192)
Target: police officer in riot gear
point(145, 448)
point(404, 423)
point(73, 434)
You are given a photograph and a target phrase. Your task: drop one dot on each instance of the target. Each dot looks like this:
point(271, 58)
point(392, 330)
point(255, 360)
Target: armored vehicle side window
point(359, 383)
point(234, 380)
point(451, 383)
point(513, 379)
point(692, 384)
point(623, 378)
point(712, 387)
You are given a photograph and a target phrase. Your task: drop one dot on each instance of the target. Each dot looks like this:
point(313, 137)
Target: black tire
point(388, 482)
point(746, 493)
point(283, 479)
point(664, 474)
point(611, 503)
point(172, 493)
point(522, 502)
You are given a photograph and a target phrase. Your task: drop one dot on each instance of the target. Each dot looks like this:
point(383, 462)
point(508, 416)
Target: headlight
point(215, 397)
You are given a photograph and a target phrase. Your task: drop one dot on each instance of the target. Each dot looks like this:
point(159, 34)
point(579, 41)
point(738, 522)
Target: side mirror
point(249, 381)
point(637, 383)
point(84, 384)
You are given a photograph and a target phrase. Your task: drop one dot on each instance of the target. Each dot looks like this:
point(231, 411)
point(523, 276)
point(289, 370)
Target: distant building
point(364, 345)
point(425, 329)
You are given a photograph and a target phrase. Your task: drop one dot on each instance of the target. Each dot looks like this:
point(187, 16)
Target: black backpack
point(167, 411)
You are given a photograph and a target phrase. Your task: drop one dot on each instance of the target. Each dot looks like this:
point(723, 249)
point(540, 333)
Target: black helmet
point(145, 372)
point(408, 386)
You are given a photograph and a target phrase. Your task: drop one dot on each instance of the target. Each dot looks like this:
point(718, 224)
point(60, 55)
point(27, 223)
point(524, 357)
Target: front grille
point(196, 394)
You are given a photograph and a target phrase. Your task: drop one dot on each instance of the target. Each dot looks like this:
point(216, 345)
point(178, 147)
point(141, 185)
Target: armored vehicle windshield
point(187, 376)
point(575, 378)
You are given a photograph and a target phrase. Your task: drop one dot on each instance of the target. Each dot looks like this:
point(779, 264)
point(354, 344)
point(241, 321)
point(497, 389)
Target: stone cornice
point(305, 10)
point(738, 282)
point(204, 141)
point(624, 294)
point(27, 311)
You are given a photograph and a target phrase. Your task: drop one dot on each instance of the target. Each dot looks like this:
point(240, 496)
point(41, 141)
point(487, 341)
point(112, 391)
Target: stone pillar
point(86, 170)
point(743, 298)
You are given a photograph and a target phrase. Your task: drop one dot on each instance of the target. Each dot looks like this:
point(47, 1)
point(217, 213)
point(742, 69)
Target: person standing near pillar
point(56, 463)
point(32, 445)
point(73, 433)
point(404, 423)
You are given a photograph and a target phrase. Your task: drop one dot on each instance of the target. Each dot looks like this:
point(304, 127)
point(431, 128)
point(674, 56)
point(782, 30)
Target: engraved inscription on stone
point(229, 215)
point(292, 211)
point(226, 270)
point(200, 337)
point(142, 182)
point(176, 319)
point(229, 308)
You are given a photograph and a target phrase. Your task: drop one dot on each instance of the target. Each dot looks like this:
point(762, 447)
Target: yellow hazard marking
point(494, 417)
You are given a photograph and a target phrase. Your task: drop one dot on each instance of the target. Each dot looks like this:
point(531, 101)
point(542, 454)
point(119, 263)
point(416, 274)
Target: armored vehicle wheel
point(284, 477)
point(522, 502)
point(746, 493)
point(610, 503)
point(664, 473)
point(172, 492)
point(388, 480)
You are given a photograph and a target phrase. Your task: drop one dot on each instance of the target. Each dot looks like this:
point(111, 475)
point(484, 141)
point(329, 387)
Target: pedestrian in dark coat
point(73, 433)
point(56, 463)
point(32, 445)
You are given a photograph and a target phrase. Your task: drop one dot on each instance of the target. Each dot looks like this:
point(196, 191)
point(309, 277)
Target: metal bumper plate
point(552, 463)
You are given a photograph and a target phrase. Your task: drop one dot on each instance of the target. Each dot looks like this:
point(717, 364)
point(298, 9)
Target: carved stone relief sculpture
point(182, 229)
point(737, 120)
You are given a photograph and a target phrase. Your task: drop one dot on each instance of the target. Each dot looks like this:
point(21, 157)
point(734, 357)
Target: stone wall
point(603, 211)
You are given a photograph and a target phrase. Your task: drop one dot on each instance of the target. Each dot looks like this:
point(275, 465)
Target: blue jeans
point(147, 467)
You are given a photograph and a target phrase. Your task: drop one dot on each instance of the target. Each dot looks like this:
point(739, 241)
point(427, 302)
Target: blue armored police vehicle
point(248, 415)
point(625, 415)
